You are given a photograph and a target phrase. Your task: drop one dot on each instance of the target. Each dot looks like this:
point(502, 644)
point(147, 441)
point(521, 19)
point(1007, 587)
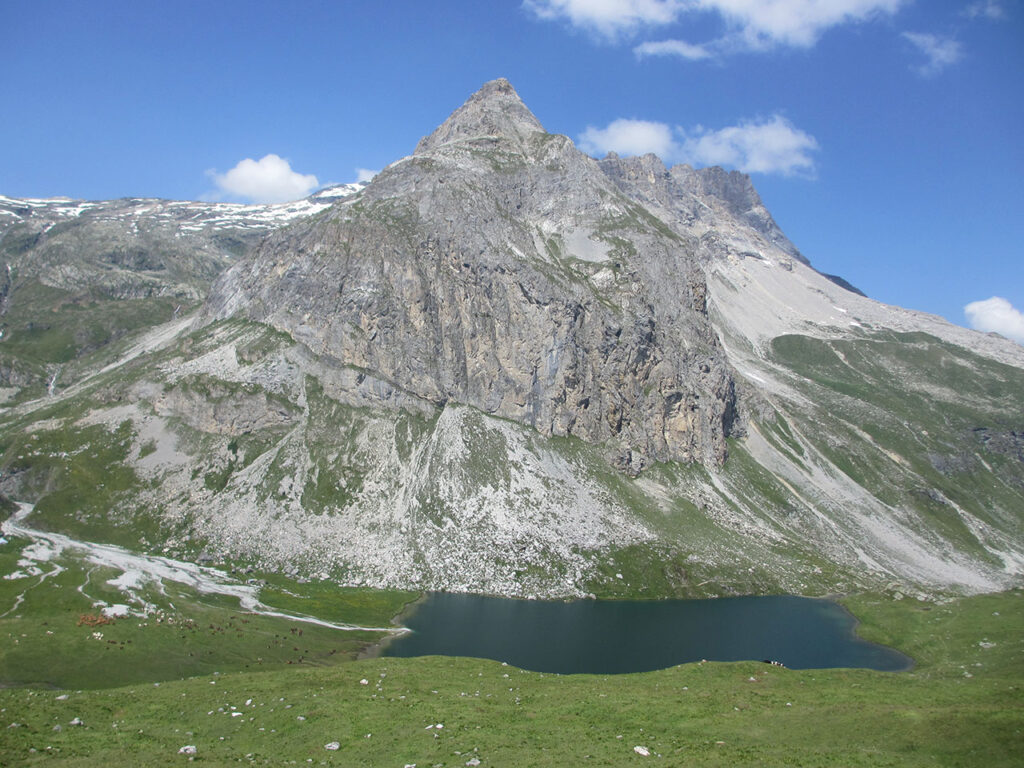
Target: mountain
point(80, 275)
point(504, 366)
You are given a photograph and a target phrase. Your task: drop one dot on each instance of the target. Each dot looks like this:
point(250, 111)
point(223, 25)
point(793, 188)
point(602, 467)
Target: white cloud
point(763, 24)
point(608, 18)
point(990, 9)
point(362, 174)
point(996, 315)
point(755, 146)
point(678, 48)
point(753, 24)
point(939, 52)
point(267, 180)
point(763, 146)
point(630, 137)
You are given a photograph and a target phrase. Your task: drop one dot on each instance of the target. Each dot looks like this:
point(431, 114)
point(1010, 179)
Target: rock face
point(501, 268)
point(696, 202)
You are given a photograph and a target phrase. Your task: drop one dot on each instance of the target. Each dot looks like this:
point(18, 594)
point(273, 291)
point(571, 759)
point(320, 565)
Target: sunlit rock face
point(500, 267)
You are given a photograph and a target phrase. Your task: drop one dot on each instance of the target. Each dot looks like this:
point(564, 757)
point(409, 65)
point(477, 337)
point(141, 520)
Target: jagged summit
point(494, 110)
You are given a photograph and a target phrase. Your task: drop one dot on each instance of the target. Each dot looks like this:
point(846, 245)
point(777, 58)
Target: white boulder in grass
point(188, 749)
point(334, 746)
point(642, 751)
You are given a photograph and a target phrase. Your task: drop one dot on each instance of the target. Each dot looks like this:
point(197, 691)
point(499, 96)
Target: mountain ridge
point(503, 366)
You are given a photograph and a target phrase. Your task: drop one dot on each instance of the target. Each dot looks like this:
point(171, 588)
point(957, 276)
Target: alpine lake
point(617, 637)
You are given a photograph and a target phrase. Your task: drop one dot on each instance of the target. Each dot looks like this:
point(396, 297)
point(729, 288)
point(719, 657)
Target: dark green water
point(610, 637)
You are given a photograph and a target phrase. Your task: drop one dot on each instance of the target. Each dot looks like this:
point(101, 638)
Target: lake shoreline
point(620, 637)
point(377, 649)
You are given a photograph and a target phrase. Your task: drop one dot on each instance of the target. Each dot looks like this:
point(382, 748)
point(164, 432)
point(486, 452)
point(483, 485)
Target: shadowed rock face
point(500, 267)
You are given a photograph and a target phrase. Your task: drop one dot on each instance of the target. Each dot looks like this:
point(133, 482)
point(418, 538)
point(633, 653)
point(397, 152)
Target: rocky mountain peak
point(493, 111)
point(370, 392)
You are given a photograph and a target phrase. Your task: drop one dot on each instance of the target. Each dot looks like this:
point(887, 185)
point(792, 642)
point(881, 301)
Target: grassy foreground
point(962, 705)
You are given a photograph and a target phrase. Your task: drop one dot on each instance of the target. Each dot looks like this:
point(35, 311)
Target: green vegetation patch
point(919, 423)
point(47, 325)
point(53, 632)
point(328, 601)
point(386, 711)
point(81, 482)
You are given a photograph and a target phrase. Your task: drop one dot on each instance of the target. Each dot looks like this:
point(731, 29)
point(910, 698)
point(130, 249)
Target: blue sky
point(883, 135)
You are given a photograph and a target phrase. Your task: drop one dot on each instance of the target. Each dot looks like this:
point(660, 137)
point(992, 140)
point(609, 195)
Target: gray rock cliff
point(501, 268)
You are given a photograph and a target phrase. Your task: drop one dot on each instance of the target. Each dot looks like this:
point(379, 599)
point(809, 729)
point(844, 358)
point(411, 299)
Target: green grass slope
point(961, 705)
point(925, 427)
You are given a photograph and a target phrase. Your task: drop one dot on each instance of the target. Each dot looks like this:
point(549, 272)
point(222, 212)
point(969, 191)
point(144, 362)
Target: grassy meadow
point(256, 690)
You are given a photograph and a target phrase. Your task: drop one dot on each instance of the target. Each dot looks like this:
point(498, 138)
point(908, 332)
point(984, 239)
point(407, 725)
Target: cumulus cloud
point(267, 180)
point(752, 24)
point(363, 174)
point(996, 315)
point(772, 145)
point(989, 9)
point(630, 137)
point(799, 23)
point(939, 52)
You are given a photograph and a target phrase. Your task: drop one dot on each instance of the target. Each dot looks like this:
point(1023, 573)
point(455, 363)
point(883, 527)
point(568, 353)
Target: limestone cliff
point(500, 267)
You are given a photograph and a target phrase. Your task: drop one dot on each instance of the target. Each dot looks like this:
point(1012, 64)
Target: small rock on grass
point(188, 749)
point(334, 746)
point(642, 751)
